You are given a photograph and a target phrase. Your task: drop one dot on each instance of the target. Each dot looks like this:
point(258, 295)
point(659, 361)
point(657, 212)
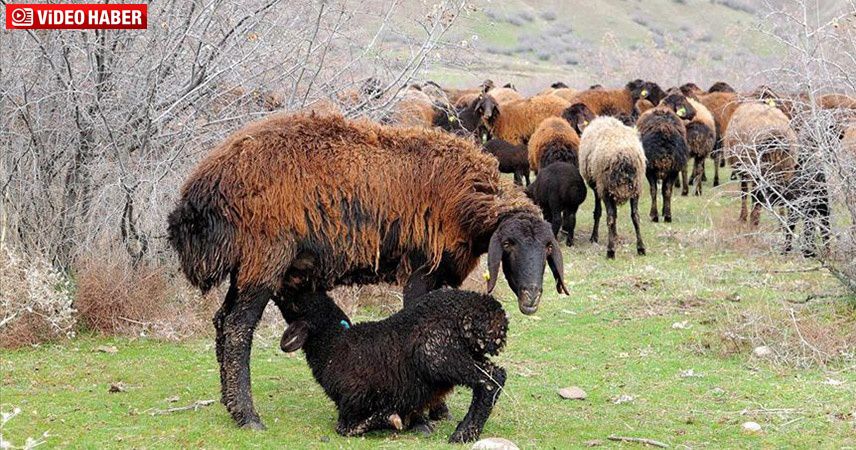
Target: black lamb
point(559, 190)
point(512, 159)
point(386, 374)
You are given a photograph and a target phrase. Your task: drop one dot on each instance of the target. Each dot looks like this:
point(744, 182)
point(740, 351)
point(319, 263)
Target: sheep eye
point(507, 244)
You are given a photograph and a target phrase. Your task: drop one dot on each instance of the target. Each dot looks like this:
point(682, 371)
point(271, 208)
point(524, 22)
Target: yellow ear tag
point(644, 93)
point(486, 275)
point(771, 102)
point(453, 119)
point(484, 139)
point(681, 112)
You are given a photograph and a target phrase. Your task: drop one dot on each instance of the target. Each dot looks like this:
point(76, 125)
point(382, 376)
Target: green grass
point(612, 336)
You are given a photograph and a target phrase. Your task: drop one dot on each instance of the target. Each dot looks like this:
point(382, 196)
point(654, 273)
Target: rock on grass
point(572, 393)
point(494, 444)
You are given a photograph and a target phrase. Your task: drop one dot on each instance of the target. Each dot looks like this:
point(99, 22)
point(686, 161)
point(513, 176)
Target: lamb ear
point(294, 336)
point(557, 267)
point(494, 258)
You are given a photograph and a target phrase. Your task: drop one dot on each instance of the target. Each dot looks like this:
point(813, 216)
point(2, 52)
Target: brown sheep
point(563, 92)
point(283, 208)
point(701, 138)
point(759, 142)
point(620, 103)
point(722, 105)
point(515, 122)
point(413, 108)
point(664, 138)
point(691, 90)
point(554, 140)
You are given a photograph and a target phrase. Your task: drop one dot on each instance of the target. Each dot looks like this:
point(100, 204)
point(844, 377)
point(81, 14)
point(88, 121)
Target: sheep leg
point(652, 184)
point(486, 381)
point(716, 161)
point(526, 175)
point(698, 172)
point(597, 213)
point(611, 217)
point(219, 317)
point(420, 283)
point(517, 179)
point(685, 187)
point(556, 221)
point(570, 224)
point(790, 228)
point(634, 216)
point(667, 198)
point(744, 199)
point(238, 325)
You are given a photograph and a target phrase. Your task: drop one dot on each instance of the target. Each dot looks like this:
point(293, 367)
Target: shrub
point(35, 301)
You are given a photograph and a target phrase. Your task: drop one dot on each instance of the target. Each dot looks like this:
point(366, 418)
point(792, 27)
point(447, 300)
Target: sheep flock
point(294, 205)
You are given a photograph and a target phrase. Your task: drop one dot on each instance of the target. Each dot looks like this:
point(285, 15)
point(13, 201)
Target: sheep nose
point(528, 300)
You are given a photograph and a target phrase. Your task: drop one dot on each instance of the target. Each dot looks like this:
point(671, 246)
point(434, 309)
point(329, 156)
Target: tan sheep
point(760, 145)
point(612, 162)
point(514, 122)
point(554, 140)
point(722, 106)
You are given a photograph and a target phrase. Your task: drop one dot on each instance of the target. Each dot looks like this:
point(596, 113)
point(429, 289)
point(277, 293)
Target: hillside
point(533, 42)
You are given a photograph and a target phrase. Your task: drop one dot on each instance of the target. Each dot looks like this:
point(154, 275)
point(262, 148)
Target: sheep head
point(487, 108)
point(679, 104)
point(691, 90)
point(523, 244)
point(721, 86)
point(579, 116)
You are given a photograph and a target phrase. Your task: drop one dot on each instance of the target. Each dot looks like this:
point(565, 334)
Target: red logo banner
point(76, 17)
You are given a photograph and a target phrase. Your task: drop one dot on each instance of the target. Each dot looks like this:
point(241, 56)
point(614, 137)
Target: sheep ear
point(494, 258)
point(554, 259)
point(294, 336)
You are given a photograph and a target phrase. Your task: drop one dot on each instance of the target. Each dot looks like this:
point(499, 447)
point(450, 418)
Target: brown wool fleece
point(553, 132)
point(291, 181)
point(518, 120)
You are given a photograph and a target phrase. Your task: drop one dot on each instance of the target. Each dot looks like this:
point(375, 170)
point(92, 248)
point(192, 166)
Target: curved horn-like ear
point(554, 259)
point(494, 258)
point(294, 336)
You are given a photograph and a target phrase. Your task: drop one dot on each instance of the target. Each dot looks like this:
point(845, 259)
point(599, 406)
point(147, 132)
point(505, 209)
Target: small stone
point(325, 439)
point(116, 387)
point(494, 444)
point(685, 325)
point(762, 351)
point(572, 393)
point(833, 382)
point(111, 349)
point(689, 373)
point(173, 399)
point(752, 427)
point(593, 443)
point(623, 398)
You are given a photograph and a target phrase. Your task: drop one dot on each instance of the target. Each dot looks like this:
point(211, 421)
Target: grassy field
point(646, 330)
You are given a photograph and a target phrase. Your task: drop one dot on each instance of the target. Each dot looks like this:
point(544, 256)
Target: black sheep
point(559, 190)
point(664, 138)
point(512, 159)
point(386, 374)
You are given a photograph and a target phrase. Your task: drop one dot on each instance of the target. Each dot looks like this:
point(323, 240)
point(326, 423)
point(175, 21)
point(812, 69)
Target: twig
point(643, 441)
point(810, 269)
point(195, 407)
point(145, 324)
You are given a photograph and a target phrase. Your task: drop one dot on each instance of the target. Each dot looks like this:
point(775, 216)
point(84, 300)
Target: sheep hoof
point(569, 242)
point(685, 193)
point(395, 422)
point(254, 425)
point(610, 254)
point(640, 251)
point(440, 412)
point(593, 240)
point(655, 219)
point(667, 219)
point(424, 428)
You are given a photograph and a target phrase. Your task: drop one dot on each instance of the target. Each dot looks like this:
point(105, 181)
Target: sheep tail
point(622, 180)
point(203, 238)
